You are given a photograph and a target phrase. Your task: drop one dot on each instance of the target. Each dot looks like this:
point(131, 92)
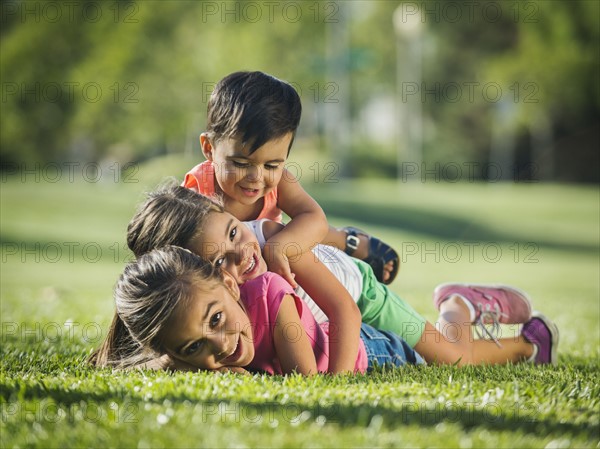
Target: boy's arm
point(291, 342)
point(308, 226)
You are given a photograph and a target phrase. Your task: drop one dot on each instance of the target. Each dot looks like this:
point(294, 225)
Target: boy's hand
point(278, 262)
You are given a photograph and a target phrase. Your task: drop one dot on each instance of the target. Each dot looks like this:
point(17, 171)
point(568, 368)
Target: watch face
point(352, 242)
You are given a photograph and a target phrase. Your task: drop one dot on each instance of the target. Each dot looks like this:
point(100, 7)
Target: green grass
point(56, 308)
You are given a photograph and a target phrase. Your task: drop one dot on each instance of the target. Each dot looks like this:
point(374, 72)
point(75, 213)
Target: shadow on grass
point(435, 225)
point(492, 416)
point(427, 414)
point(525, 418)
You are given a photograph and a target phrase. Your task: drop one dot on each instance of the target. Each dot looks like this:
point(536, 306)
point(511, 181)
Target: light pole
point(408, 26)
point(337, 112)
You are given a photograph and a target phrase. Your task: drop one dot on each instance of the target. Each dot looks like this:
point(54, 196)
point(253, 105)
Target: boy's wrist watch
point(352, 242)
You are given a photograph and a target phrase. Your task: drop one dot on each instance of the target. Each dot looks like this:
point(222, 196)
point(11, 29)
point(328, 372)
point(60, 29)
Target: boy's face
point(229, 244)
point(212, 330)
point(244, 177)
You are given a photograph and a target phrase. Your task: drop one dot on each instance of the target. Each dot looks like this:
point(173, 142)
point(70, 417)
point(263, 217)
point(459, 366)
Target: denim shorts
point(386, 348)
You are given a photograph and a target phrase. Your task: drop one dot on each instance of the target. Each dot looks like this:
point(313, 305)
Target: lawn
point(63, 248)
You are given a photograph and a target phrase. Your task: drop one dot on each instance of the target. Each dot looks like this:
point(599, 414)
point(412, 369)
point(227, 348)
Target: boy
point(252, 121)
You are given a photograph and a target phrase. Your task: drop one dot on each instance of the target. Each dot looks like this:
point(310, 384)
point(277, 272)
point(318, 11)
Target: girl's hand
point(234, 369)
point(166, 362)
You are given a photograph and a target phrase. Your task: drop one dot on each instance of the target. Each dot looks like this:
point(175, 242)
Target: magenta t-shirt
point(262, 298)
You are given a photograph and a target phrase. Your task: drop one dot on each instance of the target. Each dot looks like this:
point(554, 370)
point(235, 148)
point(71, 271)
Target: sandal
point(379, 253)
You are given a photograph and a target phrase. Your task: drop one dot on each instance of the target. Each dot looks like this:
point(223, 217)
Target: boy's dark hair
point(253, 107)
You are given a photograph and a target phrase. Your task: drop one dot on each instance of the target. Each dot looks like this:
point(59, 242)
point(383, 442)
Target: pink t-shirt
point(262, 298)
point(201, 179)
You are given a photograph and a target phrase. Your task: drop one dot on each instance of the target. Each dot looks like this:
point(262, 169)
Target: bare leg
point(455, 319)
point(455, 343)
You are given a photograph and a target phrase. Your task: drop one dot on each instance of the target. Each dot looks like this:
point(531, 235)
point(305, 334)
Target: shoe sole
point(517, 291)
point(396, 260)
point(553, 332)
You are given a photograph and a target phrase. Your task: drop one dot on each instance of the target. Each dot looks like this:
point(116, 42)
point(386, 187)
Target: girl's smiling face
point(212, 330)
point(229, 244)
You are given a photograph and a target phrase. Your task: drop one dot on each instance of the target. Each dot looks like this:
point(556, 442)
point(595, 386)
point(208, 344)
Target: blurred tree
point(133, 81)
point(554, 75)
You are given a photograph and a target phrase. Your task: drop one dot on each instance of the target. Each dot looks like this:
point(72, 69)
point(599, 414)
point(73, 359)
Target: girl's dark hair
point(253, 107)
point(146, 295)
point(172, 215)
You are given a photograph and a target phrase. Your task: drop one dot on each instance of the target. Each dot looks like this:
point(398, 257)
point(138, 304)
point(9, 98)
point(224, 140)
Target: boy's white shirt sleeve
point(338, 262)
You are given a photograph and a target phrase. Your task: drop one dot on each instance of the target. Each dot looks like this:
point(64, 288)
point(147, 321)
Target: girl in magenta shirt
point(173, 302)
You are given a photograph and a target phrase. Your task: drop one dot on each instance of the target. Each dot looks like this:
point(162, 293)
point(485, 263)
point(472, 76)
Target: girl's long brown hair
point(148, 292)
point(172, 215)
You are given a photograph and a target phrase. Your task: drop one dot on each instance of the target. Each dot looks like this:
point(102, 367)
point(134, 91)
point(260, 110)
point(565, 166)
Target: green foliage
point(557, 51)
point(154, 65)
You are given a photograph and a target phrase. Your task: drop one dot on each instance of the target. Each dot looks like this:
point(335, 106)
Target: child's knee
point(453, 301)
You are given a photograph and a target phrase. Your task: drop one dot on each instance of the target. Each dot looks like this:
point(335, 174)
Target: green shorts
point(385, 310)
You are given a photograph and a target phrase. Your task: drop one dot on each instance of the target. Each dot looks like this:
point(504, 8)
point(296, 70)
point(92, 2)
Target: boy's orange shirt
point(201, 179)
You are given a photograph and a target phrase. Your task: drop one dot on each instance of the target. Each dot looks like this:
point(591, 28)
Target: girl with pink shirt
point(173, 302)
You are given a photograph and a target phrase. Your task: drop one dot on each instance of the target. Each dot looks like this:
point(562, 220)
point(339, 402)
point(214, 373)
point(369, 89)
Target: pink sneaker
point(488, 303)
